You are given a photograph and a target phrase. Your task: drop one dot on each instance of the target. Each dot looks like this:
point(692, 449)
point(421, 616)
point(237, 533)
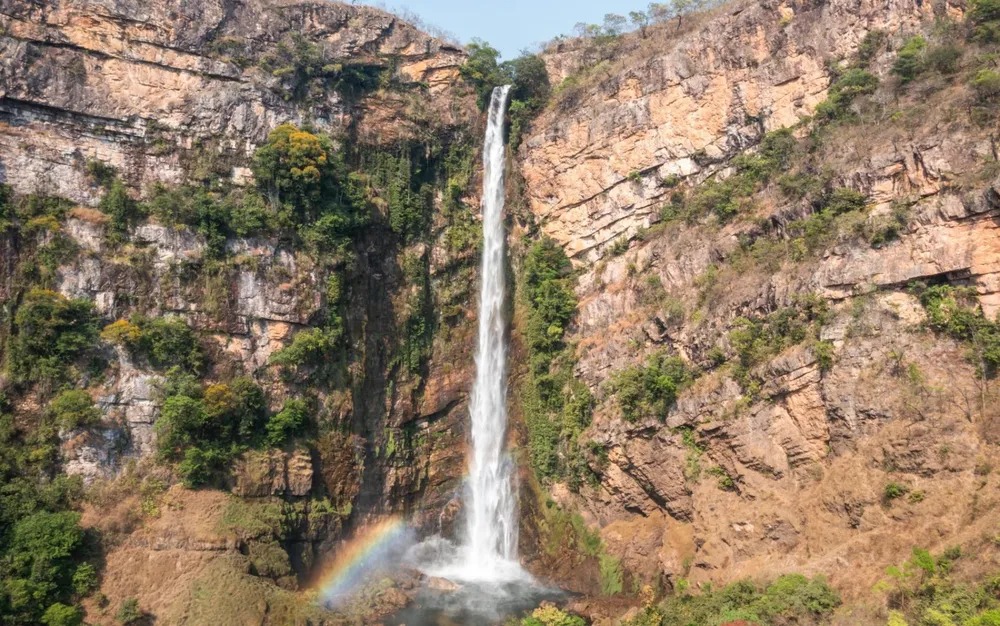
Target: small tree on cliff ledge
point(294, 167)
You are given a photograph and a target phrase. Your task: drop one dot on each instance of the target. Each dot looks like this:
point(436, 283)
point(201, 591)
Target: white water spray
point(490, 505)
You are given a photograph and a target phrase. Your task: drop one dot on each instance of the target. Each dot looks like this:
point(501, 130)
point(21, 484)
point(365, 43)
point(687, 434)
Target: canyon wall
point(779, 464)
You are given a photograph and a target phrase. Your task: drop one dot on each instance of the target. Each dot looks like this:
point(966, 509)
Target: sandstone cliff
point(168, 94)
point(790, 472)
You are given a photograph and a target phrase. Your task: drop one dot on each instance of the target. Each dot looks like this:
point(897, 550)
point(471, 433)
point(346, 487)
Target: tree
point(288, 422)
point(120, 207)
point(910, 60)
point(639, 20)
point(51, 332)
point(295, 168)
point(659, 12)
point(682, 8)
point(482, 69)
point(614, 24)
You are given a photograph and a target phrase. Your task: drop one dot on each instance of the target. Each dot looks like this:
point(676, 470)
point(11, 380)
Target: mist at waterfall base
point(486, 583)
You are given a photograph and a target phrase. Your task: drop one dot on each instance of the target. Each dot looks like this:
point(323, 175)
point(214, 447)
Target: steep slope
point(325, 309)
point(826, 419)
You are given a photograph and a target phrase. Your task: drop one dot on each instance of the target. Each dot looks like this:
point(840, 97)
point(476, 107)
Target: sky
point(513, 25)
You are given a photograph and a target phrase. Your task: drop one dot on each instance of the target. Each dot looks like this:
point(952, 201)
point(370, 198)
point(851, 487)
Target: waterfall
point(486, 560)
point(490, 504)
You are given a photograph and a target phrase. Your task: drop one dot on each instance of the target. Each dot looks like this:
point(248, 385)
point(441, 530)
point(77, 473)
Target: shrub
point(910, 60)
point(550, 298)
point(122, 333)
point(129, 612)
point(956, 312)
point(309, 347)
point(295, 167)
point(985, 16)
point(120, 207)
point(873, 42)
point(165, 342)
point(944, 58)
point(84, 579)
point(791, 599)
point(550, 615)
point(848, 86)
point(650, 390)
point(986, 84)
point(893, 491)
point(50, 333)
point(72, 409)
point(183, 422)
point(62, 615)
point(611, 574)
point(289, 422)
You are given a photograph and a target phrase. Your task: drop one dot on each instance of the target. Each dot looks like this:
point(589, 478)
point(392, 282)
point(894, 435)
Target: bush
point(956, 312)
point(50, 333)
point(165, 342)
point(120, 207)
point(650, 390)
point(287, 423)
point(309, 347)
point(84, 579)
point(985, 16)
point(72, 409)
point(893, 491)
point(296, 167)
point(129, 612)
point(62, 615)
point(550, 615)
point(842, 93)
point(944, 58)
point(986, 84)
point(791, 599)
point(910, 60)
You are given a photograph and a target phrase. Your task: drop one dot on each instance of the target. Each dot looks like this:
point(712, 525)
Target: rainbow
point(359, 557)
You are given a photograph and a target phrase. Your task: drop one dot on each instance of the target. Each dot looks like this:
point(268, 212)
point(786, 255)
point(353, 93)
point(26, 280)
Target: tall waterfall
point(490, 550)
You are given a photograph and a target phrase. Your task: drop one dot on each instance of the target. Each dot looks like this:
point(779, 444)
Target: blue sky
point(512, 25)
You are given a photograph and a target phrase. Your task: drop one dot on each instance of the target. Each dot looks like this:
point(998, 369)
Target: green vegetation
point(730, 197)
point(129, 612)
point(550, 615)
point(758, 339)
point(164, 342)
point(287, 423)
point(304, 72)
point(924, 590)
point(791, 599)
point(556, 406)
point(955, 312)
point(910, 60)
point(847, 86)
point(984, 15)
point(73, 408)
point(51, 334)
point(650, 390)
point(205, 428)
point(526, 75)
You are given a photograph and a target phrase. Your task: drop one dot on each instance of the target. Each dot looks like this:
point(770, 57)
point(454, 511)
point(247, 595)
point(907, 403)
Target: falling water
point(492, 584)
point(491, 518)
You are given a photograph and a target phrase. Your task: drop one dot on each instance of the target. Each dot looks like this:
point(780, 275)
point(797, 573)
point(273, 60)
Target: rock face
point(147, 89)
point(674, 106)
point(787, 475)
point(176, 93)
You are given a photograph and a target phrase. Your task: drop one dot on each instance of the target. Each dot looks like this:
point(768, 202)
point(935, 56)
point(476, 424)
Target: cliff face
point(767, 464)
point(174, 94)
